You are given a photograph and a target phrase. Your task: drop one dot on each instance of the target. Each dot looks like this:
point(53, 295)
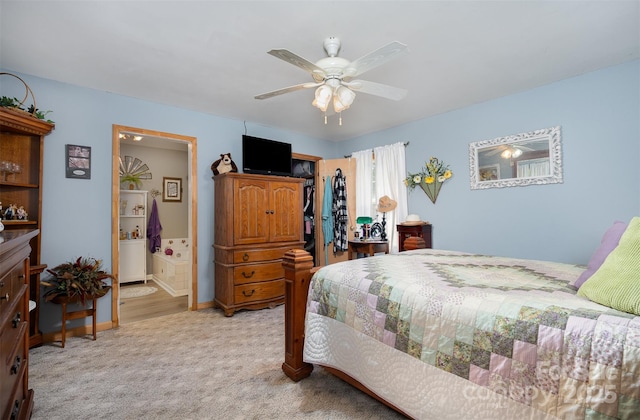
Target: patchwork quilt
point(511, 326)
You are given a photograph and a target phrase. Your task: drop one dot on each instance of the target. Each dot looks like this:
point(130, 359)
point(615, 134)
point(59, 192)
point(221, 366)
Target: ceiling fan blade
point(377, 89)
point(286, 55)
point(495, 151)
point(293, 88)
point(375, 58)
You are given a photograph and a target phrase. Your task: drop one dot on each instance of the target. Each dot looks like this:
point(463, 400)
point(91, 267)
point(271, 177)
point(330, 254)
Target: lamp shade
point(342, 98)
point(323, 96)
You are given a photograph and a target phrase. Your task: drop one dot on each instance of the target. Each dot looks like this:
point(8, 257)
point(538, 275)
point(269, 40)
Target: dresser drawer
point(11, 334)
point(11, 286)
point(253, 292)
point(252, 273)
point(13, 364)
point(258, 255)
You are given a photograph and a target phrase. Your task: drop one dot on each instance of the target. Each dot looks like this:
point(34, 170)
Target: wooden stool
point(414, 242)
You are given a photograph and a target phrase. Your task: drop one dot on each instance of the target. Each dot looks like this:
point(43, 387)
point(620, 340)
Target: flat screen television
point(263, 156)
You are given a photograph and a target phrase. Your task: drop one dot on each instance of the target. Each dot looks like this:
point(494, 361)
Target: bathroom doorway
point(168, 162)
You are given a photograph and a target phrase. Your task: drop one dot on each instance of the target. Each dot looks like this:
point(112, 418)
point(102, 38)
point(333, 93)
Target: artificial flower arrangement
point(82, 279)
point(431, 178)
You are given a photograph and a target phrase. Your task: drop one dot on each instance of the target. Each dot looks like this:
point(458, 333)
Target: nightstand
point(406, 231)
point(368, 248)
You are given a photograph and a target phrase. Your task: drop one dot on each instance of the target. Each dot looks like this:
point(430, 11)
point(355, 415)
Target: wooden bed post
point(297, 265)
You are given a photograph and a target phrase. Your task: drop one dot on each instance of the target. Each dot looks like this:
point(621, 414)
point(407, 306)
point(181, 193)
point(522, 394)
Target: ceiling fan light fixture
point(323, 97)
point(516, 153)
point(342, 98)
point(506, 154)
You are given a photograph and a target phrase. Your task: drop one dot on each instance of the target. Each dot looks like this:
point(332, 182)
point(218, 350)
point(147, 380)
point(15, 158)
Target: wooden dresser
point(257, 219)
point(16, 399)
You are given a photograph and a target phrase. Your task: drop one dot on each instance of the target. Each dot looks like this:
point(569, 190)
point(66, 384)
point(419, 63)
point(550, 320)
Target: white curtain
point(390, 171)
point(533, 167)
point(364, 183)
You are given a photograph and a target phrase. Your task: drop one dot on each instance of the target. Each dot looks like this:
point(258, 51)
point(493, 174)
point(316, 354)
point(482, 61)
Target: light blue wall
point(598, 112)
point(77, 213)
point(599, 115)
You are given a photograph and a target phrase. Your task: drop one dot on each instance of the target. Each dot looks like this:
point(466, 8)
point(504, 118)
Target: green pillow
point(616, 283)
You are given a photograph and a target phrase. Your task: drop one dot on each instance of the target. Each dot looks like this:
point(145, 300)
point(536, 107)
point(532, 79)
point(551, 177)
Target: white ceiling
point(211, 56)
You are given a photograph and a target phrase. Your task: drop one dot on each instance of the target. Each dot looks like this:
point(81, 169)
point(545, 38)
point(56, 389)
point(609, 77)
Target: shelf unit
point(133, 251)
point(21, 142)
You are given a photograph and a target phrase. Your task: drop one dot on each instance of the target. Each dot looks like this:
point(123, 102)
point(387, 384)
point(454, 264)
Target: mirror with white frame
point(531, 158)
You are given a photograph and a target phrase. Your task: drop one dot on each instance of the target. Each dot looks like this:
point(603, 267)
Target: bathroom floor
point(157, 304)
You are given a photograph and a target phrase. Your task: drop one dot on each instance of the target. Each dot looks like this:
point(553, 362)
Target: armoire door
point(251, 207)
point(285, 207)
point(327, 168)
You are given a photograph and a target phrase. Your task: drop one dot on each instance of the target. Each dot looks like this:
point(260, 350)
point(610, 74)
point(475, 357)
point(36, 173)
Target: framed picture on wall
point(78, 161)
point(172, 189)
point(489, 173)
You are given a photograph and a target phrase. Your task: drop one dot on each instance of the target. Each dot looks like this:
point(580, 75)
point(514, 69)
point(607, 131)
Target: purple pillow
point(609, 242)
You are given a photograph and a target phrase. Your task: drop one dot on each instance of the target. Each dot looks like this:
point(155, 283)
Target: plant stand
point(67, 316)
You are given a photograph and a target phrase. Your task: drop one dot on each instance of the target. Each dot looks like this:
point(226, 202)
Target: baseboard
point(76, 332)
point(103, 326)
point(205, 305)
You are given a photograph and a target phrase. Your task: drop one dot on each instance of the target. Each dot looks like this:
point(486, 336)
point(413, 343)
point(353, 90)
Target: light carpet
point(190, 365)
point(138, 291)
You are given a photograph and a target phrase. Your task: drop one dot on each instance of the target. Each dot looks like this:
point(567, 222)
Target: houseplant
point(16, 104)
point(132, 180)
point(77, 280)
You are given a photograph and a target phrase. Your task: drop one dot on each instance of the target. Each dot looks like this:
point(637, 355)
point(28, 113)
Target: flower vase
point(432, 190)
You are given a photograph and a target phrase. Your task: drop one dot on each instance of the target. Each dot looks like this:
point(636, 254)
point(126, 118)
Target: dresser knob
point(244, 292)
point(6, 296)
point(16, 410)
point(16, 365)
point(248, 276)
point(16, 320)
point(1, 283)
point(245, 257)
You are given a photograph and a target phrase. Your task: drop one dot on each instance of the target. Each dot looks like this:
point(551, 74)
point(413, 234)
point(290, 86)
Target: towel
point(153, 228)
point(327, 217)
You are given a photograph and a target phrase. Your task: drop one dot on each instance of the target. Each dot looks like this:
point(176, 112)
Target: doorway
point(123, 137)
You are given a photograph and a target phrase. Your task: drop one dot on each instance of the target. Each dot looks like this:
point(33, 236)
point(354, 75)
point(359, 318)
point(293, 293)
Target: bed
point(445, 334)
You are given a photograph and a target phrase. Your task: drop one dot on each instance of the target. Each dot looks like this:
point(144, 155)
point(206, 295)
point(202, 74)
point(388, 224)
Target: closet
point(305, 167)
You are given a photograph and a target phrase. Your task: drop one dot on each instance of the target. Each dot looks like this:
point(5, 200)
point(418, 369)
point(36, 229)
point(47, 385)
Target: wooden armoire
point(257, 219)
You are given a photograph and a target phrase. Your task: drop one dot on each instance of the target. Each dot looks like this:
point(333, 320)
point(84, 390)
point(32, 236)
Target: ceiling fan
point(333, 76)
point(509, 151)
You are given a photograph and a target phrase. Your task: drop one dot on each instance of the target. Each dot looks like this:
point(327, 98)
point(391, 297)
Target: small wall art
point(172, 189)
point(78, 161)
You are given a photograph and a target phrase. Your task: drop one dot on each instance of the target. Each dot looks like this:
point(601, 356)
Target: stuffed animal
point(223, 165)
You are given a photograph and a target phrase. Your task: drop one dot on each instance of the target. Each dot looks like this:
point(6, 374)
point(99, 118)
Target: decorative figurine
point(21, 213)
point(8, 213)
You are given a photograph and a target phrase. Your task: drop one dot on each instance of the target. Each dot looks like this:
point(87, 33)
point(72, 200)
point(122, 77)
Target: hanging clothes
point(309, 209)
point(340, 214)
point(153, 228)
point(327, 217)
